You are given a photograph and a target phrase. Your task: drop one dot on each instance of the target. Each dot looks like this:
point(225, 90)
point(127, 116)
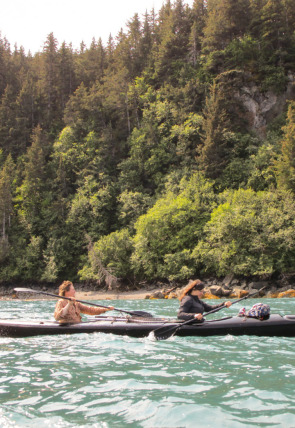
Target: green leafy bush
point(171, 228)
point(249, 234)
point(112, 254)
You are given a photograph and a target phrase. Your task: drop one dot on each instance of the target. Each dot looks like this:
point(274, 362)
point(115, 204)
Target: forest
point(141, 160)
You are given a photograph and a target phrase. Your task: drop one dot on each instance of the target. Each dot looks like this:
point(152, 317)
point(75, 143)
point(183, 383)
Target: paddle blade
point(142, 314)
point(25, 290)
point(165, 332)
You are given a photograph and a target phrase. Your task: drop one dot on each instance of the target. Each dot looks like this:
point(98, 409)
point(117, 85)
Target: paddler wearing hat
point(191, 305)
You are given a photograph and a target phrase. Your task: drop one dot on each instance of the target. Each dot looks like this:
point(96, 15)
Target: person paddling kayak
point(68, 311)
point(190, 304)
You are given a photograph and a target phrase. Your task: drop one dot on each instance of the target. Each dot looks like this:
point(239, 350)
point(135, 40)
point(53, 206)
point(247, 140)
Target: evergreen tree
point(278, 23)
point(76, 113)
point(9, 141)
point(227, 19)
point(32, 190)
point(6, 196)
point(27, 111)
point(50, 81)
point(146, 41)
point(286, 164)
point(110, 49)
point(116, 102)
point(134, 33)
point(66, 74)
point(173, 44)
point(4, 64)
point(213, 152)
point(91, 64)
point(199, 15)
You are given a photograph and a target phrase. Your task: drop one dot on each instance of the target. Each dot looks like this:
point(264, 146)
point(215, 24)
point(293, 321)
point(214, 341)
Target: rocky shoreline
point(231, 287)
point(228, 287)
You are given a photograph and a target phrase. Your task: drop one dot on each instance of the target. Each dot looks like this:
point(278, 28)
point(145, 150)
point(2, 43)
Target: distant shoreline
point(113, 295)
point(229, 289)
point(87, 295)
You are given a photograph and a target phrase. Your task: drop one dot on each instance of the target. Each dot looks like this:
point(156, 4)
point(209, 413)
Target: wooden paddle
point(163, 333)
point(135, 313)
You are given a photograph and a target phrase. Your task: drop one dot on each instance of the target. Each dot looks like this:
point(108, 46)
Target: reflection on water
point(103, 380)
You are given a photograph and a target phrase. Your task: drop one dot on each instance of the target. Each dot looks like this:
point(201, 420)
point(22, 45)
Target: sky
point(27, 23)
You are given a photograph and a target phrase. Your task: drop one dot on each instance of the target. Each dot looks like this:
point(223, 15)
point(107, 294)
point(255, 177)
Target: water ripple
point(108, 381)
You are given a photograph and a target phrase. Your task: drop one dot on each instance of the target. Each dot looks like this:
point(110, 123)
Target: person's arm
point(208, 308)
point(90, 310)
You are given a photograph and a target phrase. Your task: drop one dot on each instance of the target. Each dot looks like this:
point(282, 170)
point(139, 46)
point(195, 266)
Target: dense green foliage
point(249, 234)
point(145, 148)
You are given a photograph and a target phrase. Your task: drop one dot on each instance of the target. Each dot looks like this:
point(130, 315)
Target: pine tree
point(4, 64)
point(173, 45)
point(199, 15)
point(110, 49)
point(278, 22)
point(227, 20)
point(33, 187)
point(286, 164)
point(6, 205)
point(27, 110)
point(147, 40)
point(66, 74)
point(50, 83)
point(91, 64)
point(256, 7)
point(134, 41)
point(213, 152)
point(8, 122)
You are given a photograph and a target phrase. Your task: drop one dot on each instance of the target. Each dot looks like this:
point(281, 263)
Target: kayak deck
point(276, 325)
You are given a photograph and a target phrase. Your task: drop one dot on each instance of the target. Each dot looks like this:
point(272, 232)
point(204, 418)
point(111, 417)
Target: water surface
point(103, 380)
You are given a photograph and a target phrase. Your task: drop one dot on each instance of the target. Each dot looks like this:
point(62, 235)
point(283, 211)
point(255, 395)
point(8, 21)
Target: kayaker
point(70, 310)
point(190, 304)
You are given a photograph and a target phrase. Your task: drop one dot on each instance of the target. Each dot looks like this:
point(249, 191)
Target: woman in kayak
point(191, 306)
point(69, 310)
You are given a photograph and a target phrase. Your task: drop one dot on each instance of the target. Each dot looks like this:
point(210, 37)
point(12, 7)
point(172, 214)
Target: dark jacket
point(191, 305)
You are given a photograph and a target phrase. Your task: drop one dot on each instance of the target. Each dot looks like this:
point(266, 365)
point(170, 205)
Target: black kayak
point(276, 325)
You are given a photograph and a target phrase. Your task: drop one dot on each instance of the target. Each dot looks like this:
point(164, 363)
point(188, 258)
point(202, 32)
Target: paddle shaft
point(235, 301)
point(191, 321)
point(28, 290)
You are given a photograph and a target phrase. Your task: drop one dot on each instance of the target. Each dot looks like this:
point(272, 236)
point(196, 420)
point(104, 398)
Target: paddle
point(136, 313)
point(165, 332)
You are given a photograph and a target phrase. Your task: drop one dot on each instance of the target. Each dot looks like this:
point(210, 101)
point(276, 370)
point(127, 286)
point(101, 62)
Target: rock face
point(262, 108)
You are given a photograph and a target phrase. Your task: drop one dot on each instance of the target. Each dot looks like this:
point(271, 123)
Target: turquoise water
point(103, 380)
